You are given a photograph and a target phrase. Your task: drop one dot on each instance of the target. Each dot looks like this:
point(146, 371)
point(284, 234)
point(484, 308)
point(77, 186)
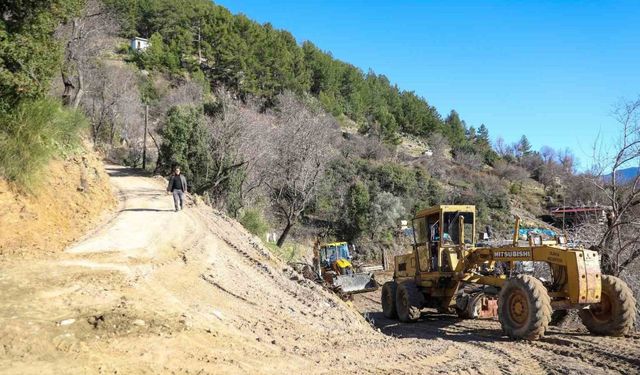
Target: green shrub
point(33, 133)
point(123, 48)
point(185, 145)
point(254, 222)
point(358, 208)
point(289, 252)
point(515, 188)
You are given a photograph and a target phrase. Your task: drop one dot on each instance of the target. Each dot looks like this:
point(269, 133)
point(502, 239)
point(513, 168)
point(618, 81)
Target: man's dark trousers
point(178, 199)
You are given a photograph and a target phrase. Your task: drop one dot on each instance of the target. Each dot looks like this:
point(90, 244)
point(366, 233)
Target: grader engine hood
point(583, 266)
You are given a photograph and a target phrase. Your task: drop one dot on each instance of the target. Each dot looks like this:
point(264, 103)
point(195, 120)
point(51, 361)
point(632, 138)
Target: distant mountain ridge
point(625, 175)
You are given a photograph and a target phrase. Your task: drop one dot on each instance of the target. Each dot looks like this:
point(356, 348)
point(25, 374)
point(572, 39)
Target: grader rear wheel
point(408, 302)
point(524, 308)
point(616, 312)
point(388, 299)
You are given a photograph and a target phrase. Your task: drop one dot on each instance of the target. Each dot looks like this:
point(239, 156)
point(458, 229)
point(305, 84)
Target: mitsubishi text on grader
point(445, 270)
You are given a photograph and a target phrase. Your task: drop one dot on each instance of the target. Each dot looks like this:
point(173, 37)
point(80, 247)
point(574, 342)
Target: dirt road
point(155, 291)
point(478, 345)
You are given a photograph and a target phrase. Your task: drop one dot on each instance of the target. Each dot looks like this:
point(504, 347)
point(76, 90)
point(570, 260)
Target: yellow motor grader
point(447, 271)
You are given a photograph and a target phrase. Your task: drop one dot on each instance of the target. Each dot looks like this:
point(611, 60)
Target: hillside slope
point(154, 291)
point(71, 198)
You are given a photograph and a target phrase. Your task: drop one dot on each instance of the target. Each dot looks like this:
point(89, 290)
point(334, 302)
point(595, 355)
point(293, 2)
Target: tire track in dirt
point(482, 342)
point(604, 354)
point(261, 263)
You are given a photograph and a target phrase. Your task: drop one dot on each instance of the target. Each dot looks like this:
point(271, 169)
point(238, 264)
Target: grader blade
point(355, 283)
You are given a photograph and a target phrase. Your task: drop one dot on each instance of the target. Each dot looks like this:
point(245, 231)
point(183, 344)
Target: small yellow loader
point(332, 264)
point(446, 271)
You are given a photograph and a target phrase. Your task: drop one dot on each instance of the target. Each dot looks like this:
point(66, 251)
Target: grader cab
point(447, 271)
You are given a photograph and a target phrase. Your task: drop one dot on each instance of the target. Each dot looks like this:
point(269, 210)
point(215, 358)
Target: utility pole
point(564, 211)
point(144, 142)
point(199, 43)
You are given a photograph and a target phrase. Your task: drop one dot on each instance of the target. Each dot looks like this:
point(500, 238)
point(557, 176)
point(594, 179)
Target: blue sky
point(552, 70)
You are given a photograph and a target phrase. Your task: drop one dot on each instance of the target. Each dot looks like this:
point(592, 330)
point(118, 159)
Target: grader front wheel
point(524, 308)
point(616, 312)
point(408, 302)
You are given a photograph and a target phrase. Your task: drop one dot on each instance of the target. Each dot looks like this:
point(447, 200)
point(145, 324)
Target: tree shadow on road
point(126, 172)
point(146, 210)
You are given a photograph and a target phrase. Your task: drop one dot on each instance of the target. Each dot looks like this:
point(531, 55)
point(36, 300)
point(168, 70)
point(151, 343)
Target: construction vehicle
point(446, 271)
point(332, 263)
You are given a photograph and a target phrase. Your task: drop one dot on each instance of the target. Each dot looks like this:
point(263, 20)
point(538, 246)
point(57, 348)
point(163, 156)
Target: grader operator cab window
point(420, 230)
point(434, 235)
point(426, 238)
point(451, 235)
point(421, 239)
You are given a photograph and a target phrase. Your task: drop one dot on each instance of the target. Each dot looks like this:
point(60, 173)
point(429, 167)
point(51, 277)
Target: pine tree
point(471, 134)
point(483, 134)
point(454, 129)
point(524, 147)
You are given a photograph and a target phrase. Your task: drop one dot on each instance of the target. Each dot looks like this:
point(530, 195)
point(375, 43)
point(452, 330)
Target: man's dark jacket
point(183, 180)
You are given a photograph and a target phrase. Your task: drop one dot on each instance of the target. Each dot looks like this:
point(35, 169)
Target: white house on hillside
point(139, 44)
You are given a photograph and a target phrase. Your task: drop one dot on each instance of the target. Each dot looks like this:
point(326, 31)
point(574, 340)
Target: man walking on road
point(177, 186)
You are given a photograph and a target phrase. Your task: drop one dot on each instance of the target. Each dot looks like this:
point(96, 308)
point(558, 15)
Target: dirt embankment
point(72, 197)
point(156, 291)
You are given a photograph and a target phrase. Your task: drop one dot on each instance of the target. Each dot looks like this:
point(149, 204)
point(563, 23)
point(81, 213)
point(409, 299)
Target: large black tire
point(408, 302)
point(388, 299)
point(524, 308)
point(472, 307)
point(462, 302)
point(616, 312)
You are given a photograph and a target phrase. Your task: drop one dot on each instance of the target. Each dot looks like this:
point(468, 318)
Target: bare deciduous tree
point(300, 155)
point(619, 245)
point(362, 146)
point(187, 92)
point(470, 160)
point(567, 160)
point(501, 147)
point(113, 102)
point(438, 163)
point(510, 172)
point(548, 154)
point(239, 139)
point(87, 37)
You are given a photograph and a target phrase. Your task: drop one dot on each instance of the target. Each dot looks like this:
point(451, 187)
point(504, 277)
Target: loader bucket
point(355, 283)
